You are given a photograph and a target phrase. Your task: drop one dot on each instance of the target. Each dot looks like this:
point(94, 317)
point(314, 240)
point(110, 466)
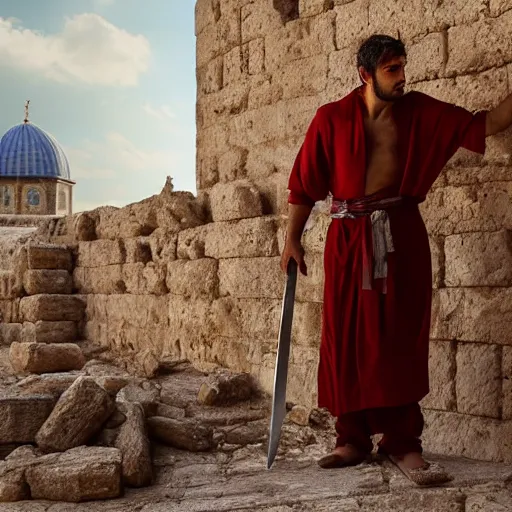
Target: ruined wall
point(263, 69)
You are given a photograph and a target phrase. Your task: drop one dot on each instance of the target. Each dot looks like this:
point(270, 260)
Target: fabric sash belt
point(373, 208)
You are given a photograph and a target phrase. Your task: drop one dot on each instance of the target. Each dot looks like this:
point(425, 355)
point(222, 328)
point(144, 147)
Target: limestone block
point(497, 501)
point(51, 257)
point(47, 281)
point(79, 414)
point(304, 77)
point(223, 388)
point(232, 201)
point(477, 175)
point(310, 288)
point(53, 384)
point(479, 259)
point(22, 417)
point(245, 238)
point(13, 486)
point(206, 13)
point(49, 332)
point(437, 255)
point(442, 370)
point(210, 76)
point(9, 333)
point(207, 166)
point(133, 443)
point(9, 285)
point(256, 56)
point(185, 434)
point(274, 194)
point(103, 280)
point(351, 24)
point(233, 66)
point(45, 357)
point(498, 7)
point(312, 7)
point(100, 253)
point(258, 20)
point(506, 368)
point(232, 165)
point(472, 314)
point(137, 219)
point(80, 474)
point(478, 382)
point(163, 245)
point(193, 278)
point(265, 159)
point(265, 93)
point(253, 432)
point(343, 72)
point(299, 415)
point(471, 436)
point(177, 211)
point(251, 278)
point(440, 15)
point(426, 57)
point(387, 16)
point(137, 250)
point(154, 279)
point(147, 398)
point(191, 242)
point(481, 45)
point(9, 310)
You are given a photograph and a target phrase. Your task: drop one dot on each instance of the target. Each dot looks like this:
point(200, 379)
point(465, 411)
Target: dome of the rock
point(28, 151)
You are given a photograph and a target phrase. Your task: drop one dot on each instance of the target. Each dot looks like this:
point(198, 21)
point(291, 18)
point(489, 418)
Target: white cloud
point(164, 112)
point(89, 49)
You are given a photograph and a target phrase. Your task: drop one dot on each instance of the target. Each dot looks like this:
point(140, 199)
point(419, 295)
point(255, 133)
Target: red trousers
point(402, 427)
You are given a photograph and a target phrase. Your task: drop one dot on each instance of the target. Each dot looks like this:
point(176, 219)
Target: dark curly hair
point(378, 49)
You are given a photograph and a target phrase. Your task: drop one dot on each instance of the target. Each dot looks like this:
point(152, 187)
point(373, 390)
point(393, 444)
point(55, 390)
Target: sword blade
point(281, 371)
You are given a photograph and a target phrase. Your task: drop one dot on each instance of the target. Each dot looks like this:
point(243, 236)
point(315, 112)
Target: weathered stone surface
point(194, 278)
point(169, 411)
point(99, 253)
point(472, 314)
point(13, 486)
point(251, 278)
point(299, 415)
point(78, 415)
point(507, 383)
point(258, 19)
point(310, 288)
point(50, 257)
point(185, 434)
point(232, 201)
point(478, 382)
point(243, 239)
point(101, 280)
point(133, 444)
point(49, 332)
point(22, 417)
point(223, 388)
point(9, 333)
point(253, 433)
point(80, 474)
point(147, 398)
point(498, 7)
point(47, 281)
point(137, 250)
point(53, 384)
point(479, 259)
point(351, 24)
point(442, 370)
point(45, 357)
point(479, 46)
point(440, 15)
point(389, 16)
point(426, 57)
point(311, 7)
point(51, 308)
point(472, 436)
point(191, 243)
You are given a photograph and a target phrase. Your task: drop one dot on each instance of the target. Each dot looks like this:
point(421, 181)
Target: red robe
point(374, 348)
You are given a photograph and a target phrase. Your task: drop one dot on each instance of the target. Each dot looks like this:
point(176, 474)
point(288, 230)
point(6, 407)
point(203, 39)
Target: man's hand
point(293, 249)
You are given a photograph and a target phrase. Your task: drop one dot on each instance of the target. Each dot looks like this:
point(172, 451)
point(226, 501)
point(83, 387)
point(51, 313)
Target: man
point(378, 151)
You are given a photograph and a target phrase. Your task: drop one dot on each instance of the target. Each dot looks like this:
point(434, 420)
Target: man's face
point(389, 79)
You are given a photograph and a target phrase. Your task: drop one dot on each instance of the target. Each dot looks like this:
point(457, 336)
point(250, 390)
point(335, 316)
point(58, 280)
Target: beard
point(394, 95)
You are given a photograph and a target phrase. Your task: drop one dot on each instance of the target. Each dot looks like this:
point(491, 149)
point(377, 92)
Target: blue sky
point(113, 81)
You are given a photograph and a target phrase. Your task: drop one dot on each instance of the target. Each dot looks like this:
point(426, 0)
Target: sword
point(281, 371)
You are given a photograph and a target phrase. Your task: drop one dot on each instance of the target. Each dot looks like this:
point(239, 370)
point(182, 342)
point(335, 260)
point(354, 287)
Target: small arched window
point(6, 196)
point(33, 197)
point(62, 200)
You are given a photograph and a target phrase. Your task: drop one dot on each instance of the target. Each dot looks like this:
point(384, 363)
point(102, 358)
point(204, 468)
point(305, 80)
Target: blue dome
point(28, 151)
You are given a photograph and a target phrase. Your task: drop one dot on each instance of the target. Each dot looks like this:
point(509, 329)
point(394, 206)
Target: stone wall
point(263, 69)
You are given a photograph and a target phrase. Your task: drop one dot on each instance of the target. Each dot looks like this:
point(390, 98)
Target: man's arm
point(499, 118)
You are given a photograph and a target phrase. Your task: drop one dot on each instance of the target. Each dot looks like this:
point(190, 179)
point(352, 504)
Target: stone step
point(49, 256)
point(43, 331)
point(52, 308)
point(47, 281)
point(9, 333)
point(45, 357)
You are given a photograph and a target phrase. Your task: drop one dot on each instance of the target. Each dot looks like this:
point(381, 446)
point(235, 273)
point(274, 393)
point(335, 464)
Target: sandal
point(430, 474)
point(334, 460)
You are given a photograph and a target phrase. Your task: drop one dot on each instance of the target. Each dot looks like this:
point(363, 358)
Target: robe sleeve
point(309, 178)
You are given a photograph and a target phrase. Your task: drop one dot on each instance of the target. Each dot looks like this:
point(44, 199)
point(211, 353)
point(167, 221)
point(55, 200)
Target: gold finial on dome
point(26, 112)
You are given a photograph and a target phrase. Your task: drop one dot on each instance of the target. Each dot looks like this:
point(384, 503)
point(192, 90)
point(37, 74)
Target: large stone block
point(267, 159)
point(389, 16)
point(51, 257)
point(232, 201)
point(100, 253)
point(251, 278)
point(242, 239)
point(210, 76)
point(9, 285)
point(263, 94)
point(79, 414)
point(80, 474)
point(312, 7)
point(232, 165)
point(45, 358)
point(99, 280)
point(49, 332)
point(191, 242)
point(439, 15)
point(498, 7)
point(234, 66)
point(193, 278)
point(51, 308)
point(478, 382)
point(471, 436)
point(479, 259)
point(258, 20)
point(438, 261)
point(310, 288)
point(23, 416)
point(472, 314)
point(185, 434)
point(137, 250)
point(206, 13)
point(352, 24)
point(426, 57)
point(343, 75)
point(478, 46)
point(10, 332)
point(442, 370)
point(47, 281)
point(256, 56)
